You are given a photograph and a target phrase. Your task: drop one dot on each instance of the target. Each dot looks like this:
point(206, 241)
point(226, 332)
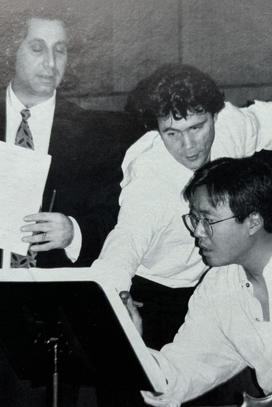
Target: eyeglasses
point(191, 222)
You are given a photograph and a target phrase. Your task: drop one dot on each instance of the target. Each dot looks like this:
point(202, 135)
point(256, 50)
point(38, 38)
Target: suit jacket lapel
point(63, 148)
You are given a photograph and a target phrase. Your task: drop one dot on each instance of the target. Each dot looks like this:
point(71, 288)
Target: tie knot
point(25, 113)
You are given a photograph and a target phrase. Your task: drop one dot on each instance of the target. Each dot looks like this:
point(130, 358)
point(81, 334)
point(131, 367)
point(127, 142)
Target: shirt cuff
point(72, 251)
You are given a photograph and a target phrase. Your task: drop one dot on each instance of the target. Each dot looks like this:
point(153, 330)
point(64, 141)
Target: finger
point(132, 310)
point(128, 302)
point(124, 295)
point(152, 399)
point(43, 247)
point(130, 306)
point(41, 217)
point(138, 304)
point(37, 238)
point(37, 227)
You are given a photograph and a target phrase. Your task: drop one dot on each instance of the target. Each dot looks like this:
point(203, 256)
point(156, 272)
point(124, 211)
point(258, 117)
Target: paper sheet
point(23, 174)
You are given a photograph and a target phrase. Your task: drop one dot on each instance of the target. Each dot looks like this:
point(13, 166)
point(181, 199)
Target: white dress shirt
point(40, 124)
point(150, 239)
point(224, 332)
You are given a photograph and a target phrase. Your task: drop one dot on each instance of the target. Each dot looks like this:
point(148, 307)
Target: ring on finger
point(44, 236)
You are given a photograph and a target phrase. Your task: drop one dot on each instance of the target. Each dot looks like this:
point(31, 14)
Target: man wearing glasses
point(228, 325)
point(189, 124)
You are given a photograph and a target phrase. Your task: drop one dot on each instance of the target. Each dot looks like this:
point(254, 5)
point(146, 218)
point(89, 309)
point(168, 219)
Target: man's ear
point(255, 222)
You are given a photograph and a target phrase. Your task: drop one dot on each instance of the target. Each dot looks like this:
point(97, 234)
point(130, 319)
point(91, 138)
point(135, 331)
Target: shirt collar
point(267, 271)
point(267, 274)
point(18, 105)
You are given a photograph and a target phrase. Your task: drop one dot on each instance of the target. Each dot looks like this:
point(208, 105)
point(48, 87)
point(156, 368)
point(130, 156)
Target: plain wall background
point(118, 42)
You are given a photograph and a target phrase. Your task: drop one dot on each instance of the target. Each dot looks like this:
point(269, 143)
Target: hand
point(50, 231)
point(158, 399)
point(249, 401)
point(132, 308)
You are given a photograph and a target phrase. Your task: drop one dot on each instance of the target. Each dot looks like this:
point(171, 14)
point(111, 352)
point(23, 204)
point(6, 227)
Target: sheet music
point(23, 174)
point(143, 354)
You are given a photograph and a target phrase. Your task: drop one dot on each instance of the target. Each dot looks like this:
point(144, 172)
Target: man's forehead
point(202, 202)
point(191, 119)
point(43, 28)
point(200, 199)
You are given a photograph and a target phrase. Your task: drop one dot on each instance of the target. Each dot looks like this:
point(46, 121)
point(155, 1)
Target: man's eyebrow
point(201, 211)
point(44, 42)
point(198, 123)
point(192, 125)
point(205, 212)
point(170, 128)
point(36, 39)
point(61, 43)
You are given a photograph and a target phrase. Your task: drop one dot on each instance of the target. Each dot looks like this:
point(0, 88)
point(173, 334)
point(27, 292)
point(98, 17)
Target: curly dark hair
point(174, 89)
point(244, 183)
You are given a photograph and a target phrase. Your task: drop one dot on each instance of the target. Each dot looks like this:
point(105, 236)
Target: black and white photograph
point(136, 203)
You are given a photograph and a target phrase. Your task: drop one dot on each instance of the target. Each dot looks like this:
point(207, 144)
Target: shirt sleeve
point(263, 114)
point(200, 357)
point(137, 226)
point(73, 250)
point(237, 132)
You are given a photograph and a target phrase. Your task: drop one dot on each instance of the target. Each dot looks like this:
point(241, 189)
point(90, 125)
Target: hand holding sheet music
point(50, 231)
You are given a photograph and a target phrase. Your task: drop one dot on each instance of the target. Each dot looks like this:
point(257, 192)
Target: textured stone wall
point(118, 42)
point(232, 40)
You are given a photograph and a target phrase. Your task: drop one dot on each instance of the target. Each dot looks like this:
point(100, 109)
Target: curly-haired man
point(188, 124)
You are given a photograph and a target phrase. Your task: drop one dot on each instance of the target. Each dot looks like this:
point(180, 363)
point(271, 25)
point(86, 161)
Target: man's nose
point(200, 230)
point(188, 141)
point(50, 59)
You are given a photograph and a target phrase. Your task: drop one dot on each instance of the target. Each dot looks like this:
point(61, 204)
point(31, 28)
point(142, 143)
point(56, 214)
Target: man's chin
point(195, 164)
point(210, 260)
point(45, 91)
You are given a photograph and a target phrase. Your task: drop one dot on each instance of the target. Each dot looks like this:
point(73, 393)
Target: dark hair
point(245, 184)
point(174, 89)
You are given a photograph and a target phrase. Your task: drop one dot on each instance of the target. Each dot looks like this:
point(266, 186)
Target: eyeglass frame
point(210, 224)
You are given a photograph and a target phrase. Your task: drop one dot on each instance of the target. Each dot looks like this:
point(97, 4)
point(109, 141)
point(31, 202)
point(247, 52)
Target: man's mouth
point(203, 249)
point(47, 78)
point(192, 157)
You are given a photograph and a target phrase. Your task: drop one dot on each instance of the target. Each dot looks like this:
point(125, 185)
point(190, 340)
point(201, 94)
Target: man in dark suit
point(85, 169)
point(81, 179)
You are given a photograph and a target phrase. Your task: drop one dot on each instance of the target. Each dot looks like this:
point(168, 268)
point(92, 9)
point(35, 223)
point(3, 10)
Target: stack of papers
point(23, 175)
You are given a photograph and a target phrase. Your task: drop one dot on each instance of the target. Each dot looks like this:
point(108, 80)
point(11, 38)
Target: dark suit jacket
point(87, 148)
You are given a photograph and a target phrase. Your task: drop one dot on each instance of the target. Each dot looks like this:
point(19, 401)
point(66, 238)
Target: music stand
point(77, 321)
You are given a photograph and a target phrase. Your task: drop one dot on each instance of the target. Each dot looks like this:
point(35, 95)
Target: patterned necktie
point(24, 139)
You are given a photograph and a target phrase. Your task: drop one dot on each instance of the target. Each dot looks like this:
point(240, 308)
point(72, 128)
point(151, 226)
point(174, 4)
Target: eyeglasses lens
point(193, 222)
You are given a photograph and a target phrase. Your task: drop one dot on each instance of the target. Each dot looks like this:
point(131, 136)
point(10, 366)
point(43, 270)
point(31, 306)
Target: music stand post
point(76, 320)
point(54, 342)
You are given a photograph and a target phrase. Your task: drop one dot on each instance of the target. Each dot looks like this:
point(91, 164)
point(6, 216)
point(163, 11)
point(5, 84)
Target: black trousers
point(163, 312)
